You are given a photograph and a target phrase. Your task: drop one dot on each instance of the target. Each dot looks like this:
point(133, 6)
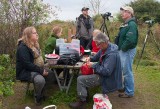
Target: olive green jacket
point(128, 35)
point(50, 44)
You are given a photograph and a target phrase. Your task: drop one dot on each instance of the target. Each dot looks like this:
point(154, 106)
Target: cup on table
point(87, 52)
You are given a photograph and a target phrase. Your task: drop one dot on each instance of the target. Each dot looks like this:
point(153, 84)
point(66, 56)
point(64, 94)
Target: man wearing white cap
point(127, 41)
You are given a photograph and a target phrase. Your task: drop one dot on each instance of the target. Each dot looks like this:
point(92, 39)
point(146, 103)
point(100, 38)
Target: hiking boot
point(121, 90)
point(38, 100)
point(123, 95)
point(78, 105)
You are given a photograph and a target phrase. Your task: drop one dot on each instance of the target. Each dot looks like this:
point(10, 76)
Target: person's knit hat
point(128, 8)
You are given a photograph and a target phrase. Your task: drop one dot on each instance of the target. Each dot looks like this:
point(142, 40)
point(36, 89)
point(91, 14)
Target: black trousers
point(84, 42)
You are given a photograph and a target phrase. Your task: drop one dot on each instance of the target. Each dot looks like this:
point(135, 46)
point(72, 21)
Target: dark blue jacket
point(109, 69)
point(25, 63)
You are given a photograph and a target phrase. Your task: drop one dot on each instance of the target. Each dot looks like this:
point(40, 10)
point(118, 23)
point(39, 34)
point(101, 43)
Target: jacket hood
point(53, 35)
point(19, 42)
point(82, 16)
point(131, 19)
point(111, 48)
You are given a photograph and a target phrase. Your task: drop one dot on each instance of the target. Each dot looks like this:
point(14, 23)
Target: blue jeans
point(127, 62)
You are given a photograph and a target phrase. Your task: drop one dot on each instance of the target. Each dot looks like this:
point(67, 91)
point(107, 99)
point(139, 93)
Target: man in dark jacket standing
point(107, 71)
point(84, 27)
point(127, 42)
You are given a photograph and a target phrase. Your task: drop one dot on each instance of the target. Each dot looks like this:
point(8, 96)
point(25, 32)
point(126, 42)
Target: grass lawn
point(147, 93)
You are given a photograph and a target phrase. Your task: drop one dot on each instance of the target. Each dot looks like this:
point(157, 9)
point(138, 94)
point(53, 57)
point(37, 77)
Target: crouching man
point(107, 71)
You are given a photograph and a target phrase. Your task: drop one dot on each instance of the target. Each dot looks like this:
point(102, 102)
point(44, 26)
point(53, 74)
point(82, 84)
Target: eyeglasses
point(124, 11)
point(98, 44)
point(34, 33)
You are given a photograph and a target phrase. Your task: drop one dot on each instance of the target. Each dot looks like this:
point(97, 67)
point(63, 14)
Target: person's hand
point(87, 59)
point(65, 40)
point(45, 73)
point(89, 64)
point(93, 53)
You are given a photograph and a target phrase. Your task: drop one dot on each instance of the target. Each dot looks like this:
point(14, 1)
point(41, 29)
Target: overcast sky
point(70, 9)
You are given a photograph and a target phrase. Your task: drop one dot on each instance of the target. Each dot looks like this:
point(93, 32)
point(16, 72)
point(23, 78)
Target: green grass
point(147, 86)
point(61, 98)
point(147, 93)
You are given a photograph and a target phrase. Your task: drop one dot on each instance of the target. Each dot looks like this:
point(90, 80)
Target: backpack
point(68, 59)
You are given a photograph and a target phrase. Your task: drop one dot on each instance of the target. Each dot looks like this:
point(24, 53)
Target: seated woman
point(38, 59)
point(50, 45)
point(92, 45)
point(26, 68)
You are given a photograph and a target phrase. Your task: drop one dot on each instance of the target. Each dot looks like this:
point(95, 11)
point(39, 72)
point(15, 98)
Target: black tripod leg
point(155, 42)
point(142, 49)
point(107, 31)
point(101, 27)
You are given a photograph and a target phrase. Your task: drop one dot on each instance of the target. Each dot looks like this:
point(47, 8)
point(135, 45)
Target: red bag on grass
point(86, 70)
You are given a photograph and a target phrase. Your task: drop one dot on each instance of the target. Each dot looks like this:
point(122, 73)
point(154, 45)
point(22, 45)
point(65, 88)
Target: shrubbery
point(7, 75)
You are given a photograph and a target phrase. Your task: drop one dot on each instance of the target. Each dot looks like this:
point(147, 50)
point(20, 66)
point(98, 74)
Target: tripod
point(103, 27)
point(149, 33)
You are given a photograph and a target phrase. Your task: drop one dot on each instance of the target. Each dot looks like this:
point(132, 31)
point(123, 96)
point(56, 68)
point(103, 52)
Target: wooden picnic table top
point(76, 66)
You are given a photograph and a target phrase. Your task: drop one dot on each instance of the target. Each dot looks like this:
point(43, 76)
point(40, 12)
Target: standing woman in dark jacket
point(26, 70)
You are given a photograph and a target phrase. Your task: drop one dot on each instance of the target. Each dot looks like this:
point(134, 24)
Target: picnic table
point(73, 69)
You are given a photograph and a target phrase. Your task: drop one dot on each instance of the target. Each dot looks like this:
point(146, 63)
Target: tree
point(96, 6)
point(146, 9)
point(15, 15)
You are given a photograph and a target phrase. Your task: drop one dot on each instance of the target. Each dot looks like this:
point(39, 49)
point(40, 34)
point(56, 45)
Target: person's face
point(85, 12)
point(34, 36)
point(94, 34)
point(101, 45)
point(60, 33)
point(125, 14)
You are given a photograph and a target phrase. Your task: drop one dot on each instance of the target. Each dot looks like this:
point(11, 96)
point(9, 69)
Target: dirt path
point(20, 101)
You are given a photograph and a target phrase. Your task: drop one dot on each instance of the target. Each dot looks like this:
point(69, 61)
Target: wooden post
point(69, 36)
point(74, 30)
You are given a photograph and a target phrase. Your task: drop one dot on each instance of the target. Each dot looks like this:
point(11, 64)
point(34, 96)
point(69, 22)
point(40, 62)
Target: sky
point(70, 9)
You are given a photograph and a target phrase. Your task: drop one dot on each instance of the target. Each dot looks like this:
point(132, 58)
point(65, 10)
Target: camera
point(149, 22)
point(106, 15)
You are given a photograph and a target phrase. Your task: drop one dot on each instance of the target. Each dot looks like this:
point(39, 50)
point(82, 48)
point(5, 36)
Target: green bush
point(7, 73)
point(148, 63)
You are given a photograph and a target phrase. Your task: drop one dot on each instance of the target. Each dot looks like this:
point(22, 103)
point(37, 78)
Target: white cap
point(128, 8)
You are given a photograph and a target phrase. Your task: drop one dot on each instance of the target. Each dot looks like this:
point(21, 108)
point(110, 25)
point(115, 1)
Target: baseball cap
point(128, 8)
point(84, 9)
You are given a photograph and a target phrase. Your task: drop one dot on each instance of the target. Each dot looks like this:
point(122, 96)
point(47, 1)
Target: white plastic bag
point(101, 102)
point(27, 107)
point(50, 107)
